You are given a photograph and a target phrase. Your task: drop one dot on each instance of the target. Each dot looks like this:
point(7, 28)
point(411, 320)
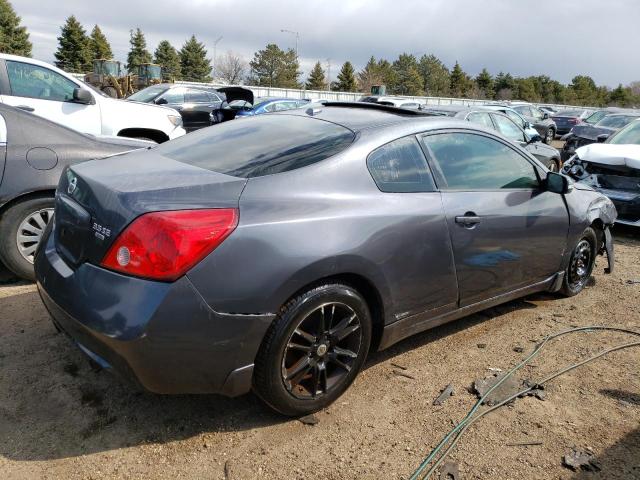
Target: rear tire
point(581, 264)
point(21, 228)
point(313, 350)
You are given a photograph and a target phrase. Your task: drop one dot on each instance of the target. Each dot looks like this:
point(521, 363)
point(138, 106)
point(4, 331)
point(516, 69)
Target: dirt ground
point(60, 419)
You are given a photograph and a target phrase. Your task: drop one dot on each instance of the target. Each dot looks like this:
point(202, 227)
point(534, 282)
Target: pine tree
point(167, 57)
point(484, 80)
point(459, 81)
point(138, 54)
point(316, 80)
point(194, 63)
point(14, 39)
point(290, 71)
point(435, 76)
point(346, 79)
point(408, 80)
point(369, 76)
point(99, 45)
point(73, 47)
point(273, 67)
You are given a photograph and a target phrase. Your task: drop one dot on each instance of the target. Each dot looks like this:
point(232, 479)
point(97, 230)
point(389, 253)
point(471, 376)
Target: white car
point(51, 93)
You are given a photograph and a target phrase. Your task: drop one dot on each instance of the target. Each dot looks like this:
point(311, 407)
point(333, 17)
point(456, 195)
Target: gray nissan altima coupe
point(274, 253)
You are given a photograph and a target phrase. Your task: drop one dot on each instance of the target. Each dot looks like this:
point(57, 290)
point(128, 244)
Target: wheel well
point(368, 291)
point(598, 227)
point(26, 196)
point(155, 135)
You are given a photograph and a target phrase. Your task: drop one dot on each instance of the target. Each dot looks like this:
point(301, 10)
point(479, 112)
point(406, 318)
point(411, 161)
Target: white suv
point(51, 93)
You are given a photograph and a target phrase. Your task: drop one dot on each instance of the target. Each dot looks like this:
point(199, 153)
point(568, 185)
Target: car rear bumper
point(161, 336)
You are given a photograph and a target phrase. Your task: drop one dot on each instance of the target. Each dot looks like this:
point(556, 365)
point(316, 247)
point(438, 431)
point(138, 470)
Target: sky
point(559, 38)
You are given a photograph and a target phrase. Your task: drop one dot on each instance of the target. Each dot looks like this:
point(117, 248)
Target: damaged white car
point(613, 169)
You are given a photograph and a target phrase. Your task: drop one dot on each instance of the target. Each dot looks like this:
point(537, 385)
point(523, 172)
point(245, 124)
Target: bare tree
point(232, 68)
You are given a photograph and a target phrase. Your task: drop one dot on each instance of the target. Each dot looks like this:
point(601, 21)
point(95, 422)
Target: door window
point(33, 81)
point(515, 117)
point(482, 119)
point(196, 96)
point(469, 161)
point(509, 129)
point(400, 166)
point(174, 96)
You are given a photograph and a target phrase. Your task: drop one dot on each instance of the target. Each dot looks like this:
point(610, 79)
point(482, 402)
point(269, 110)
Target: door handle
point(468, 220)
point(26, 108)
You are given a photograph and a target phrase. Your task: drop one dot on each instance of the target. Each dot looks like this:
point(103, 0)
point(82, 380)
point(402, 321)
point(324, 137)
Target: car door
point(48, 94)
point(3, 146)
point(197, 108)
point(418, 259)
point(507, 232)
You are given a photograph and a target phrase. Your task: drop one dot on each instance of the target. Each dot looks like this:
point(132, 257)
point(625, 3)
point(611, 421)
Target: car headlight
point(175, 119)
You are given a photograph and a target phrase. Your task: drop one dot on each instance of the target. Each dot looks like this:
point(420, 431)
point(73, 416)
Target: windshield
point(615, 121)
point(261, 145)
point(595, 117)
point(628, 135)
point(147, 94)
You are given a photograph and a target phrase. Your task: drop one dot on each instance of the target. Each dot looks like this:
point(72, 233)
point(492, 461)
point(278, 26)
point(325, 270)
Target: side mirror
point(557, 183)
point(80, 95)
point(526, 125)
point(545, 116)
point(161, 101)
point(534, 139)
point(602, 137)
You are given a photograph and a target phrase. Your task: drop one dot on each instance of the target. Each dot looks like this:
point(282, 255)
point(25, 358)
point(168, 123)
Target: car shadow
point(57, 406)
point(620, 461)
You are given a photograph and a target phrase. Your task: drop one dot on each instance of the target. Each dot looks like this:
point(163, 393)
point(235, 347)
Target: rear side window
point(481, 118)
point(400, 167)
point(474, 162)
point(196, 96)
point(262, 145)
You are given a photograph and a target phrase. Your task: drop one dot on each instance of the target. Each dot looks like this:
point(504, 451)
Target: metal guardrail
point(354, 96)
point(351, 96)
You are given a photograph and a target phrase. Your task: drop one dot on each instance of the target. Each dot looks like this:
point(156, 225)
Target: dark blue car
point(265, 105)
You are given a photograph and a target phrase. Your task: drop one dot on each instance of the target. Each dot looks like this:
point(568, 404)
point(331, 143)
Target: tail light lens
point(575, 121)
point(165, 245)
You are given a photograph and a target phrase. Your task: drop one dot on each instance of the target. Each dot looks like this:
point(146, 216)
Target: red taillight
point(575, 121)
point(164, 245)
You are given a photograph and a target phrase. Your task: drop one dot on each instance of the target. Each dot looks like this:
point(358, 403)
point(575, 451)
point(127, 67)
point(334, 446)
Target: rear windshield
point(262, 145)
point(570, 113)
point(615, 121)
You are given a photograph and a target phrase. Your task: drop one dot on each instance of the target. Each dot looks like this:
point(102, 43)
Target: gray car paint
point(326, 220)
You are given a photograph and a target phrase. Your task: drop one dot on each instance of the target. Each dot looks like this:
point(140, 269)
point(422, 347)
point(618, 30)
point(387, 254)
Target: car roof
point(359, 116)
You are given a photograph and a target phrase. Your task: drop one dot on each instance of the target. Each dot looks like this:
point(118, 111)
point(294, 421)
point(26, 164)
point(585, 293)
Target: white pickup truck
point(51, 93)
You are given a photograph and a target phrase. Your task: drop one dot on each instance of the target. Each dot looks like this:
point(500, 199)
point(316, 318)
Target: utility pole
point(328, 74)
point(215, 47)
point(297, 34)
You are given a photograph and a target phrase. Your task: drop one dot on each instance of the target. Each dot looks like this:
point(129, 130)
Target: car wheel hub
point(30, 232)
point(580, 263)
point(321, 350)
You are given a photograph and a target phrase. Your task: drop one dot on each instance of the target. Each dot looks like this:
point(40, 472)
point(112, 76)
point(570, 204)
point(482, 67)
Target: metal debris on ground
point(444, 394)
point(633, 282)
point(400, 373)
point(530, 443)
point(309, 419)
point(507, 388)
point(450, 471)
point(397, 365)
point(580, 460)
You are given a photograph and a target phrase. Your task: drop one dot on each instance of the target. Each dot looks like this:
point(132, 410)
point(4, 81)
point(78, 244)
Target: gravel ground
point(61, 419)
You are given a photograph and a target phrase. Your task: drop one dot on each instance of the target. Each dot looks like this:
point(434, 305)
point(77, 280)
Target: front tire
point(313, 350)
point(581, 264)
point(21, 229)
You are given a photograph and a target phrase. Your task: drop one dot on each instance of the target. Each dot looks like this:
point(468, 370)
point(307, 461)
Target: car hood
point(237, 93)
point(608, 154)
point(590, 132)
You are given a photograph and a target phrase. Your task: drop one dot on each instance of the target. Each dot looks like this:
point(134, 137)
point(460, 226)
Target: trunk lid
point(96, 200)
